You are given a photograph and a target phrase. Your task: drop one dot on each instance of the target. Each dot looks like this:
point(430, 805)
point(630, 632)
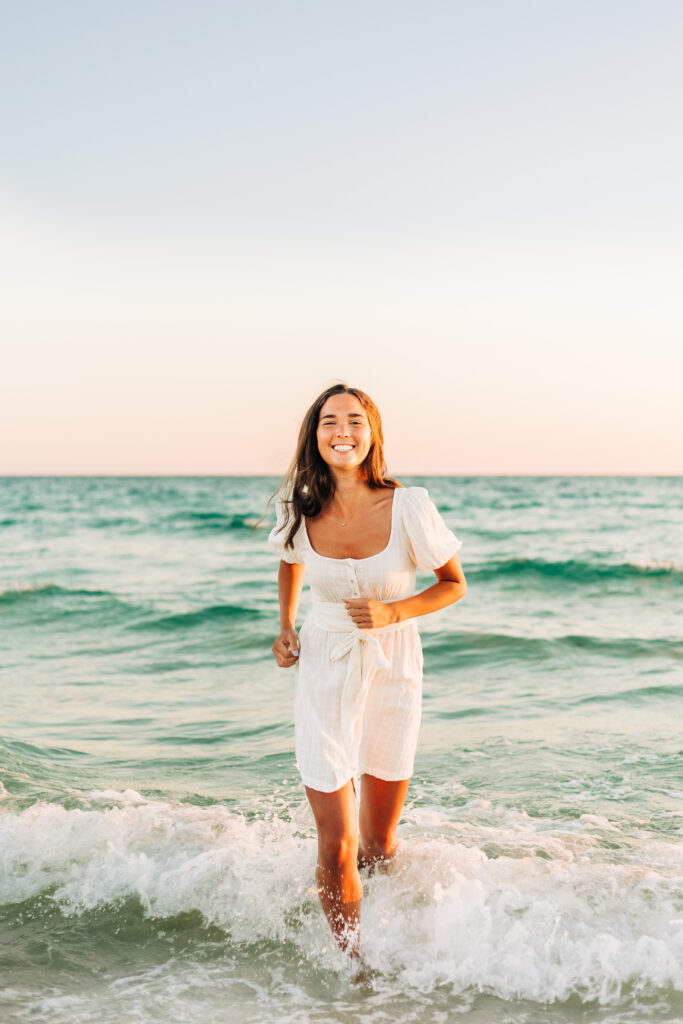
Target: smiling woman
point(360, 536)
point(343, 428)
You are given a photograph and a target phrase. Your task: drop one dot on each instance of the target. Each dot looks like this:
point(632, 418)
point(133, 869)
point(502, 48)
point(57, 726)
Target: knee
point(337, 851)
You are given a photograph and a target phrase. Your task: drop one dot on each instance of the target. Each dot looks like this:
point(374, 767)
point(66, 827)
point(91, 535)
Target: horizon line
point(256, 476)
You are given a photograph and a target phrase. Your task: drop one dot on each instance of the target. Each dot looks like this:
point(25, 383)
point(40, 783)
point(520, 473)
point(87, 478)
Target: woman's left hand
point(368, 614)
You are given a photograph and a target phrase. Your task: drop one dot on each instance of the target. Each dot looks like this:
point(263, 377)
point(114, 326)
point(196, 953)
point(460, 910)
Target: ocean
point(157, 851)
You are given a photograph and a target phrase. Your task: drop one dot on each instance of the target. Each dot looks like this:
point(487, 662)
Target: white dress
point(358, 694)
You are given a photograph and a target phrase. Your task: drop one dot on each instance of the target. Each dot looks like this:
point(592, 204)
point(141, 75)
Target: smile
point(342, 447)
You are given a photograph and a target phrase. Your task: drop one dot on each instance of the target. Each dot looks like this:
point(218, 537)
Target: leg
point(339, 884)
point(380, 811)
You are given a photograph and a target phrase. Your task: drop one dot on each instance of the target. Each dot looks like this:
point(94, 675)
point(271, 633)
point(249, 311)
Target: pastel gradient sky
point(211, 211)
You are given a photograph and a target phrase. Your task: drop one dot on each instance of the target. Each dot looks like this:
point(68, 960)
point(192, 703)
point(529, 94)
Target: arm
point(290, 580)
point(451, 587)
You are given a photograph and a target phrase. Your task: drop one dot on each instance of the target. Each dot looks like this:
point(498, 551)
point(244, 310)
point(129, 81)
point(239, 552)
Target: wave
point(16, 592)
point(544, 915)
point(216, 613)
point(502, 645)
point(576, 570)
point(52, 601)
point(635, 695)
point(30, 771)
point(65, 603)
point(19, 592)
point(111, 522)
point(210, 522)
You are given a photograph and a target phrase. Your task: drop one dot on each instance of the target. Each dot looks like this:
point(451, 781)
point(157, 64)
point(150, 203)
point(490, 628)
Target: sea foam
point(549, 918)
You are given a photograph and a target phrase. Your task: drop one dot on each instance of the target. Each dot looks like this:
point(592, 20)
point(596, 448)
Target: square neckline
point(330, 558)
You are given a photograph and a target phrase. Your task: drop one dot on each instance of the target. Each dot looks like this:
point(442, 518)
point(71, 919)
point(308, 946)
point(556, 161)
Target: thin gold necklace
point(348, 520)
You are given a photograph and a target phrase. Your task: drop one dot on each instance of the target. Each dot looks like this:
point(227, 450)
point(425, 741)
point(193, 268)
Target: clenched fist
point(286, 648)
point(367, 614)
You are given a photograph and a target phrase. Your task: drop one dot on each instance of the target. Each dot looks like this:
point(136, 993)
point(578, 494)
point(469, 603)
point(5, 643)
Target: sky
point(211, 211)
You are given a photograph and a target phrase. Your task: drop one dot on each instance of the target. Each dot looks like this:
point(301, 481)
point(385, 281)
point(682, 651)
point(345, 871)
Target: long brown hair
point(308, 485)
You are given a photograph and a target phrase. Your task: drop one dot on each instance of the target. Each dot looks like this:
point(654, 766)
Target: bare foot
point(363, 974)
point(360, 976)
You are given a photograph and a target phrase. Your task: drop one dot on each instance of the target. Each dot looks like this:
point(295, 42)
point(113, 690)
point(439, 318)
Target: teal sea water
point(157, 852)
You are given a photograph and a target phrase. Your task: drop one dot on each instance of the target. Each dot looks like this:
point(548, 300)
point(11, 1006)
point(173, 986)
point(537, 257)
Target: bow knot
point(373, 649)
point(364, 655)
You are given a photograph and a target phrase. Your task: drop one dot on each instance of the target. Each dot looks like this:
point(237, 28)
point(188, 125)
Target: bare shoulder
point(384, 497)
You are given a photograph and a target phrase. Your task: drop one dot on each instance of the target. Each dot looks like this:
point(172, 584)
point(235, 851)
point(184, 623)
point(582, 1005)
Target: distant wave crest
point(17, 592)
point(577, 570)
point(200, 617)
point(209, 522)
point(460, 648)
point(57, 602)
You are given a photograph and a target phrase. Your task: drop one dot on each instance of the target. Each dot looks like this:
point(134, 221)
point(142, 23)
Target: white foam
point(655, 564)
point(21, 587)
point(518, 924)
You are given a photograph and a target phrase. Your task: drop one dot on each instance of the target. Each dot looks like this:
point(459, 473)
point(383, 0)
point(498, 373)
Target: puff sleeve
point(430, 542)
point(276, 538)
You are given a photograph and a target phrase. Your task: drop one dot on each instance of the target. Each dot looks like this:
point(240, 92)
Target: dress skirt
point(358, 699)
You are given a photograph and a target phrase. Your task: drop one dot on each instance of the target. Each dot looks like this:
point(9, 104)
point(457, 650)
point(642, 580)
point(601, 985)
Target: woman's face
point(344, 435)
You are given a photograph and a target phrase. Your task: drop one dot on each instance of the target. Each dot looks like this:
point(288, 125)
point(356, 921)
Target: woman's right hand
point(285, 646)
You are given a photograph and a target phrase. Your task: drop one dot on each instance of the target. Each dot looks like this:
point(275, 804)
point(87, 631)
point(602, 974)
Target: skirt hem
point(381, 775)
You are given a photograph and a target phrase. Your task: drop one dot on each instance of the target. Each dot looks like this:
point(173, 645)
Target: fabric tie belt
point(364, 653)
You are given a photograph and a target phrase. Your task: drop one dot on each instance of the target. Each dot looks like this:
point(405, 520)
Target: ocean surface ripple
point(157, 852)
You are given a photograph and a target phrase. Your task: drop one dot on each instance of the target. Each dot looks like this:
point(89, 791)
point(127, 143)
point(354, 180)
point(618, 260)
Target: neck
point(349, 490)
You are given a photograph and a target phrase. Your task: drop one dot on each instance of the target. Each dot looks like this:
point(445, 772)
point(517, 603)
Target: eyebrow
point(333, 416)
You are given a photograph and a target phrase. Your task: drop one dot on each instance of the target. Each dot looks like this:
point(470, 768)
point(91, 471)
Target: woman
point(360, 536)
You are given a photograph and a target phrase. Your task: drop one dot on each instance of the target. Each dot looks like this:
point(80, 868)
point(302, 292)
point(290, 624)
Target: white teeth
point(342, 447)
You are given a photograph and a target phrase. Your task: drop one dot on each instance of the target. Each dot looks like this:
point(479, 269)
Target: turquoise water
point(157, 852)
